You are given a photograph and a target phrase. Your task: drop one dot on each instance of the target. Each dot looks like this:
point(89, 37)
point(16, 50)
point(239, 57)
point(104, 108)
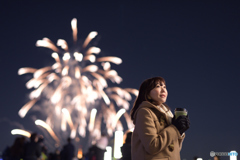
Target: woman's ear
point(148, 97)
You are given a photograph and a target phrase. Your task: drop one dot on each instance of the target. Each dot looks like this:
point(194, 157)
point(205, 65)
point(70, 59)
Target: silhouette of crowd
point(96, 151)
point(34, 149)
point(68, 150)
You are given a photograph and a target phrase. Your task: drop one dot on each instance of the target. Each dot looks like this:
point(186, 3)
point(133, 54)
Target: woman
point(157, 135)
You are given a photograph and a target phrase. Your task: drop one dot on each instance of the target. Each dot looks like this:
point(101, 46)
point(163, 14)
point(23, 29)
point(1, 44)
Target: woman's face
point(159, 93)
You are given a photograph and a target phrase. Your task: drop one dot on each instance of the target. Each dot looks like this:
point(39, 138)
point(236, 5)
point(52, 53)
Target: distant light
point(199, 159)
point(118, 142)
point(108, 153)
point(80, 154)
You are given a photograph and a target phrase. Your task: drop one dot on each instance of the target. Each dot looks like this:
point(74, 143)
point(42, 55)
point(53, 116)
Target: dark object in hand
point(182, 123)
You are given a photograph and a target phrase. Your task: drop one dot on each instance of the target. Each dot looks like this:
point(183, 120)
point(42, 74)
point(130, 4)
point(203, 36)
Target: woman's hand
point(182, 123)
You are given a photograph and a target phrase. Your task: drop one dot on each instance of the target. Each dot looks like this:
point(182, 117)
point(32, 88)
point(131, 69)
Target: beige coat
point(154, 137)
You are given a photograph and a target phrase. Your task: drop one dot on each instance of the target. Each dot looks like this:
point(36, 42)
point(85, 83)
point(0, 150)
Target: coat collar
point(158, 110)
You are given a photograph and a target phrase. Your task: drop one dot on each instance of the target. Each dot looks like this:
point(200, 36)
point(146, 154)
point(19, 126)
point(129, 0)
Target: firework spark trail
point(48, 128)
point(76, 84)
point(92, 119)
point(21, 132)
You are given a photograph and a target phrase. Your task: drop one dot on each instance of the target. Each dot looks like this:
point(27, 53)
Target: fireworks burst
point(74, 92)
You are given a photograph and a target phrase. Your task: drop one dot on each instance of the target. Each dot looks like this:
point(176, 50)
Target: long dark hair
point(144, 91)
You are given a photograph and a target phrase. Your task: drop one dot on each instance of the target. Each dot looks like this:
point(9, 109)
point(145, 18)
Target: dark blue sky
point(195, 46)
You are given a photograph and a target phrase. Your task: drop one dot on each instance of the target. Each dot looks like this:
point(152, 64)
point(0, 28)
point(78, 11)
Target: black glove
point(182, 123)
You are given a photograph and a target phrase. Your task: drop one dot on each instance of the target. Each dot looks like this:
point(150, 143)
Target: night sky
point(195, 46)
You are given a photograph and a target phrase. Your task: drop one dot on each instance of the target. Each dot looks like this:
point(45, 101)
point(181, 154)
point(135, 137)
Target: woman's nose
point(163, 90)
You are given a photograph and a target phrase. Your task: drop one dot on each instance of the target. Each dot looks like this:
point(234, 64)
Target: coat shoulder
point(156, 114)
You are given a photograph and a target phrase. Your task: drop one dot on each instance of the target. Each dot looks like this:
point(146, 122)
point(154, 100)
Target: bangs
point(157, 80)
